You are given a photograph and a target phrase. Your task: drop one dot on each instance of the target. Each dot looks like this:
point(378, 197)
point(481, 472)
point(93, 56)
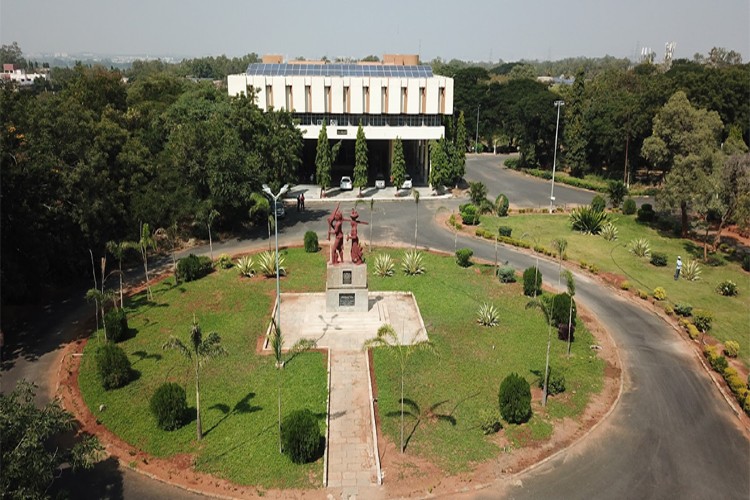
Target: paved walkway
point(351, 450)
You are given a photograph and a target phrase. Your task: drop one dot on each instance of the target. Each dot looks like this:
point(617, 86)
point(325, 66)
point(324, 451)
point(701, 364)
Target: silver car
point(407, 182)
point(346, 183)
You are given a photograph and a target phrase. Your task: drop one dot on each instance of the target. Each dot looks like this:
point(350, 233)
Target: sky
point(476, 30)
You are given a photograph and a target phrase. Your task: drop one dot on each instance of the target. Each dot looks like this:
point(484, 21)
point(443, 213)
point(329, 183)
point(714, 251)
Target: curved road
point(670, 436)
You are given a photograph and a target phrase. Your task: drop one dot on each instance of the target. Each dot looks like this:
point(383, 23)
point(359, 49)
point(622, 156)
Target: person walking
point(678, 268)
point(302, 201)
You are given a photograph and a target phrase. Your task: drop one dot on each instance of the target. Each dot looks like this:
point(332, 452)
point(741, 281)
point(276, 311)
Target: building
point(396, 98)
point(19, 76)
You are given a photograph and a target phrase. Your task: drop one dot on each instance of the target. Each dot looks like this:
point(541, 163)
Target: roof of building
point(339, 69)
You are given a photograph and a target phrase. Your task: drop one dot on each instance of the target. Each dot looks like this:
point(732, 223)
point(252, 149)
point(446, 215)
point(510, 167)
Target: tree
point(560, 245)
point(415, 193)
point(574, 133)
point(571, 285)
point(118, 249)
point(277, 345)
point(32, 455)
point(734, 193)
point(398, 169)
point(198, 352)
point(324, 157)
point(684, 143)
point(146, 243)
point(360, 160)
point(208, 215)
point(441, 167)
point(387, 337)
point(458, 150)
point(546, 307)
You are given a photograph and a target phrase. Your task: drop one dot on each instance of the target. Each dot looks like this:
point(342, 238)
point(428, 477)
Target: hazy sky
point(470, 30)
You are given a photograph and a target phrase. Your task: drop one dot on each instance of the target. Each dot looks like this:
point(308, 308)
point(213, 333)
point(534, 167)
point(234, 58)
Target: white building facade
point(391, 101)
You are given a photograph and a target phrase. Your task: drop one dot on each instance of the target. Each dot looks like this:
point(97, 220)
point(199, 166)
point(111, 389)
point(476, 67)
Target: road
point(670, 436)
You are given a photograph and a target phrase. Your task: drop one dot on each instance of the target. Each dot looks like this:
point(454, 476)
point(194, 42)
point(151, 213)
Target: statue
point(335, 226)
point(354, 237)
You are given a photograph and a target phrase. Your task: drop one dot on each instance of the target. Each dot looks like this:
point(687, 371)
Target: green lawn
point(464, 376)
point(238, 394)
point(732, 314)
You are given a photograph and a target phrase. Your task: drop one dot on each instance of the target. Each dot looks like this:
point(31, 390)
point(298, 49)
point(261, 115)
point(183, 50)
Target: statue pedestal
point(346, 287)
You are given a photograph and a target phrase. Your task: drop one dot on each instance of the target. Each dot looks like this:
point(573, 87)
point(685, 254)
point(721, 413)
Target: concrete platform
point(304, 316)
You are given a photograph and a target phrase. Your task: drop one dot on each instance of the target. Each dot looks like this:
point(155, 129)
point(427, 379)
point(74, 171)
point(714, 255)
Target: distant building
point(396, 98)
point(19, 76)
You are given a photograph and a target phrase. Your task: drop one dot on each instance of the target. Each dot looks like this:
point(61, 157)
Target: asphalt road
point(671, 435)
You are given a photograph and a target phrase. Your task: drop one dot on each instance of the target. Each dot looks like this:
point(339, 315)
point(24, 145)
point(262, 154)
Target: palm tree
point(100, 297)
point(143, 245)
point(571, 292)
point(415, 193)
point(387, 337)
point(546, 308)
point(210, 216)
point(559, 244)
point(277, 345)
point(198, 352)
point(117, 249)
point(170, 235)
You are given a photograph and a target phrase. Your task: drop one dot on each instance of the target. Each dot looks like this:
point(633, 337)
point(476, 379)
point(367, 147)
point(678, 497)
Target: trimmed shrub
point(660, 293)
point(469, 214)
point(501, 206)
point(683, 309)
point(300, 436)
point(731, 348)
point(515, 399)
point(555, 383)
point(659, 259)
point(727, 288)
point(489, 421)
point(629, 207)
point(668, 309)
point(117, 324)
point(192, 267)
point(561, 303)
point(625, 285)
point(598, 203)
point(646, 213)
point(703, 320)
point(692, 331)
point(506, 274)
point(718, 363)
point(225, 261)
point(463, 256)
point(311, 242)
point(112, 366)
point(169, 406)
point(505, 231)
point(532, 282)
point(643, 294)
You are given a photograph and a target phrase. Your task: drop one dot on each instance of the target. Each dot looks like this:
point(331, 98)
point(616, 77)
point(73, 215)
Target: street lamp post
point(559, 104)
point(268, 191)
point(476, 137)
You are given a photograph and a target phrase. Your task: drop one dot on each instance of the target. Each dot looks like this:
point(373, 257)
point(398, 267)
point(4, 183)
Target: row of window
point(368, 120)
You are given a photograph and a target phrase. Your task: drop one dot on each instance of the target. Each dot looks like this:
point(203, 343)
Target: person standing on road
point(302, 201)
point(678, 268)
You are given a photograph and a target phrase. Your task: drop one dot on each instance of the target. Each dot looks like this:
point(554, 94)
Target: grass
point(238, 393)
point(446, 391)
point(731, 317)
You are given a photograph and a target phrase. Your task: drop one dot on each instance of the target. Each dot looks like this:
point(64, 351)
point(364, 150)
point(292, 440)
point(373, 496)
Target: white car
point(380, 182)
point(346, 183)
point(407, 182)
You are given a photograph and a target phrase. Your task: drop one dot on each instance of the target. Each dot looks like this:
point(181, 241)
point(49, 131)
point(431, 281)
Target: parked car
point(407, 182)
point(380, 182)
point(280, 212)
point(346, 183)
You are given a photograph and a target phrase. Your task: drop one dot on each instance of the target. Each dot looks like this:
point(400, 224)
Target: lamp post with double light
point(559, 104)
point(275, 198)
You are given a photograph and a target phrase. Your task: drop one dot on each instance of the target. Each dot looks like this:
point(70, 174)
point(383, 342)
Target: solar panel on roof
point(339, 69)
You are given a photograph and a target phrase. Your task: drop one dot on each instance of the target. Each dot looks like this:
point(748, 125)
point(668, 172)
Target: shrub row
point(737, 385)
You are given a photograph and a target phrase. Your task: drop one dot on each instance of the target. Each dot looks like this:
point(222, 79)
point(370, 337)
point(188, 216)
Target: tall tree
point(684, 143)
point(360, 160)
point(198, 351)
point(144, 244)
point(574, 134)
point(458, 158)
point(118, 249)
point(398, 168)
point(325, 154)
point(441, 171)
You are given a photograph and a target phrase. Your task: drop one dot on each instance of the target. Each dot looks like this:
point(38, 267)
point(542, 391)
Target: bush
point(625, 285)
point(469, 215)
point(588, 220)
point(192, 267)
point(629, 207)
point(640, 247)
point(512, 162)
point(731, 348)
point(477, 193)
point(659, 259)
point(515, 399)
point(660, 293)
point(463, 256)
point(693, 332)
point(486, 207)
point(609, 231)
point(646, 213)
point(300, 436)
point(225, 261)
point(267, 263)
point(117, 325)
point(245, 266)
point(112, 366)
point(691, 271)
point(488, 315)
point(412, 263)
point(718, 363)
point(617, 191)
point(561, 309)
point(169, 406)
point(505, 231)
point(532, 282)
point(746, 262)
point(598, 204)
point(727, 288)
point(683, 309)
point(501, 206)
point(311, 242)
point(384, 265)
point(643, 294)
point(489, 421)
point(703, 320)
point(506, 274)
point(555, 383)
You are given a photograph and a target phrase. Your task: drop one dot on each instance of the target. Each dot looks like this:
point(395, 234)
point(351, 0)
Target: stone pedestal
point(346, 288)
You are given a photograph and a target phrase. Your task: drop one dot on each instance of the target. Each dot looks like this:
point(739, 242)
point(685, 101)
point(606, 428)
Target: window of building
point(308, 99)
point(269, 96)
point(423, 100)
point(384, 99)
point(366, 99)
point(327, 99)
point(346, 100)
point(289, 104)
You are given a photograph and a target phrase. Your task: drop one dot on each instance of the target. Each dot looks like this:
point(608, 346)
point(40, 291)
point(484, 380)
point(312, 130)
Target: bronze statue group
point(336, 226)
